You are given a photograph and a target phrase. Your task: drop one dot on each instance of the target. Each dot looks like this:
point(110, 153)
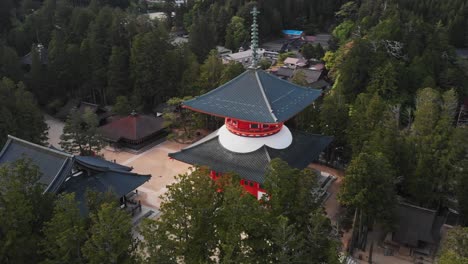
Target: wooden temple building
point(255, 106)
point(135, 131)
point(63, 172)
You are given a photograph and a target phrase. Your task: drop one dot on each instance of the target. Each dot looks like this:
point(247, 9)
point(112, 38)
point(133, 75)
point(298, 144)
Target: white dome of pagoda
point(240, 144)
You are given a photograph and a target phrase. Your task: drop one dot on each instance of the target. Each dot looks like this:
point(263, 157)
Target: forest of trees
point(198, 222)
point(397, 88)
point(396, 95)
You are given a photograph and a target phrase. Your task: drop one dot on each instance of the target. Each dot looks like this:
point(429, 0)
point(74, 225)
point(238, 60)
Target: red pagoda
point(255, 106)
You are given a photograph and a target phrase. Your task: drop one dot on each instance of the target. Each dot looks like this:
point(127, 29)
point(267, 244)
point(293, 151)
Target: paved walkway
point(55, 130)
point(156, 162)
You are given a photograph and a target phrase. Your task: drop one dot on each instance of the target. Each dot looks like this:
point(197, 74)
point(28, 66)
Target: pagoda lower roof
point(255, 96)
point(253, 166)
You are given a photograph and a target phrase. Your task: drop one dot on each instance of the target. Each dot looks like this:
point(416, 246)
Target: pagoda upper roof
point(253, 166)
point(255, 96)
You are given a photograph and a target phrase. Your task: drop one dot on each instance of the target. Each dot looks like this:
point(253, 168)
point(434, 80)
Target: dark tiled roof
point(252, 166)
point(132, 127)
point(321, 84)
point(416, 224)
point(255, 96)
point(99, 164)
point(310, 75)
point(285, 72)
point(118, 182)
point(54, 165)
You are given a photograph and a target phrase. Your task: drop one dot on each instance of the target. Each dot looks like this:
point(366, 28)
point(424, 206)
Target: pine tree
point(236, 33)
point(146, 67)
point(211, 72)
point(117, 74)
point(24, 209)
point(369, 186)
point(110, 236)
point(65, 233)
point(80, 134)
point(20, 116)
point(202, 37)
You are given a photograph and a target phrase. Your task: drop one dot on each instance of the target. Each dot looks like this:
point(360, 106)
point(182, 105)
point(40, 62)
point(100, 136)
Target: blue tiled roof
point(293, 32)
point(304, 149)
point(255, 96)
point(54, 165)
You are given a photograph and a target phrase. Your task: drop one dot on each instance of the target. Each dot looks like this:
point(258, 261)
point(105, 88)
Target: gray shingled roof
point(311, 76)
point(416, 224)
point(118, 182)
point(255, 96)
point(304, 149)
point(99, 164)
point(54, 165)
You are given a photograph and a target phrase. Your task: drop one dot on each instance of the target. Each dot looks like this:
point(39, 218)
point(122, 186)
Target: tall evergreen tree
point(20, 115)
point(202, 37)
point(80, 134)
point(369, 186)
point(110, 236)
point(65, 233)
point(146, 67)
point(236, 33)
point(24, 210)
point(118, 73)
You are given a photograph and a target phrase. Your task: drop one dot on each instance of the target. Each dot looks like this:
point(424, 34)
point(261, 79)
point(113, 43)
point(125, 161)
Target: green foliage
point(64, 233)
point(181, 119)
point(211, 72)
point(40, 227)
point(202, 37)
point(264, 64)
point(454, 247)
point(369, 186)
point(110, 239)
point(24, 210)
point(236, 33)
point(122, 106)
point(19, 114)
point(80, 133)
point(231, 71)
point(9, 63)
point(201, 217)
point(299, 78)
point(146, 65)
point(366, 116)
point(462, 191)
point(343, 31)
point(117, 75)
point(436, 145)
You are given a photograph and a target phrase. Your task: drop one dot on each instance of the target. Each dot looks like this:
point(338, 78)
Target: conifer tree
point(110, 236)
point(24, 209)
point(65, 233)
point(80, 134)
